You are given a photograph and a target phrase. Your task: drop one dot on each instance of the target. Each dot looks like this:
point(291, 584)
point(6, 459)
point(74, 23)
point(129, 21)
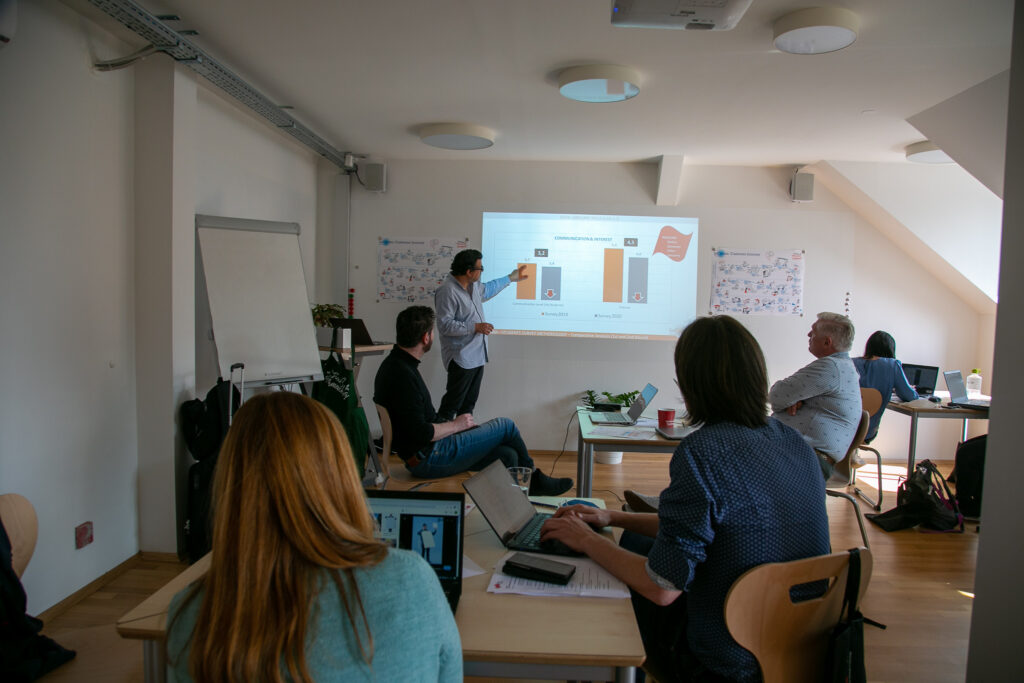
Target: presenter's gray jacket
point(830, 390)
point(458, 312)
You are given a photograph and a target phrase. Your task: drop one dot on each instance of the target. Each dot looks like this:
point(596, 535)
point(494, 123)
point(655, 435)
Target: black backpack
point(204, 423)
point(923, 499)
point(968, 475)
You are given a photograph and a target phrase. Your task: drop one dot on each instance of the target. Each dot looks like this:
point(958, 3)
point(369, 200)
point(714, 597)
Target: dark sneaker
point(638, 502)
point(543, 485)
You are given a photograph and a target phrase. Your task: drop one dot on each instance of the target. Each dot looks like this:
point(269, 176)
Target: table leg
point(912, 451)
point(154, 661)
point(580, 469)
point(588, 471)
point(963, 433)
point(625, 674)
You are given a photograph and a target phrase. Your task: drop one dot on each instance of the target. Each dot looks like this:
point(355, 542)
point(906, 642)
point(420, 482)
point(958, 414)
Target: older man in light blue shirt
point(822, 400)
point(463, 333)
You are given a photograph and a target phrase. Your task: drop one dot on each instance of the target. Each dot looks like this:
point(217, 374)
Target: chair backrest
point(870, 400)
point(843, 473)
point(386, 436)
point(790, 640)
point(22, 527)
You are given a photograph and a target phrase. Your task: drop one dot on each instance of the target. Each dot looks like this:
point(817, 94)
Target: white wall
point(940, 204)
point(995, 649)
point(244, 169)
point(67, 398)
point(537, 380)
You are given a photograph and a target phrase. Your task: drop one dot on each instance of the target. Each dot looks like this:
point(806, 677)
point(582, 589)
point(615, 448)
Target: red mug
point(666, 416)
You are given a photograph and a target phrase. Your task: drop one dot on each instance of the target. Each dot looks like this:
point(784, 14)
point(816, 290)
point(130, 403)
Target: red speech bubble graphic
point(672, 243)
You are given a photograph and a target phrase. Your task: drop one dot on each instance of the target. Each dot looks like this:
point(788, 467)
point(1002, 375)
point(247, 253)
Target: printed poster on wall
point(410, 268)
point(757, 282)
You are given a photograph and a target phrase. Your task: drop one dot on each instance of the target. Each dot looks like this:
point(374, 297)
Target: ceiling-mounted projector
point(701, 15)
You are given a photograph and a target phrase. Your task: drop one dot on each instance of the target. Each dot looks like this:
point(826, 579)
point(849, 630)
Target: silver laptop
point(632, 415)
point(958, 392)
point(509, 512)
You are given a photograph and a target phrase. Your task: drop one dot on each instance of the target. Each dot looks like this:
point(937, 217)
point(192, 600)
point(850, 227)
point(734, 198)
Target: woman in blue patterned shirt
point(744, 490)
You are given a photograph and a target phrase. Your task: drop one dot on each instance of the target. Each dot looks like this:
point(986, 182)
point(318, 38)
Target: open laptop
point(922, 377)
point(509, 512)
point(429, 523)
point(958, 392)
point(632, 415)
point(360, 335)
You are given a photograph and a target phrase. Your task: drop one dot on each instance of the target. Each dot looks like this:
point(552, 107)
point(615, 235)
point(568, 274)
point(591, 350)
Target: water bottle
point(974, 384)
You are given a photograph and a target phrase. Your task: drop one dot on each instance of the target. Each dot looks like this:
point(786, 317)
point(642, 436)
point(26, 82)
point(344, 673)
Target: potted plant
point(591, 398)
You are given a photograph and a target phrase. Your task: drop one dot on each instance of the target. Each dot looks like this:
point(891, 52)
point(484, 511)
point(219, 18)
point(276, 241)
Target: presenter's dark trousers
point(462, 391)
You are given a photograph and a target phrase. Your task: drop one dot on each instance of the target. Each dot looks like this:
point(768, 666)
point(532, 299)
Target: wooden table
point(924, 409)
point(502, 635)
point(588, 442)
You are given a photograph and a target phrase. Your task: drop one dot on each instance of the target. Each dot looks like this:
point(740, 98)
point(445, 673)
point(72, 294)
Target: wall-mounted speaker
point(801, 187)
point(375, 176)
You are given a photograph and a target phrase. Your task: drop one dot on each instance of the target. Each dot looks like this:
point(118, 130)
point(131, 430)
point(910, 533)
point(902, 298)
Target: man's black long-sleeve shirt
point(400, 388)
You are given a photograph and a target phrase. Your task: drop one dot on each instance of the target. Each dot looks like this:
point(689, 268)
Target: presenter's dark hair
point(721, 373)
point(412, 324)
point(881, 345)
point(465, 260)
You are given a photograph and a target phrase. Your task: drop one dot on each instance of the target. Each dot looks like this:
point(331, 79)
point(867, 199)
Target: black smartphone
point(538, 568)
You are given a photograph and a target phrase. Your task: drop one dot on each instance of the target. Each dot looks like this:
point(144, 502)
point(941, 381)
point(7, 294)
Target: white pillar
point(165, 115)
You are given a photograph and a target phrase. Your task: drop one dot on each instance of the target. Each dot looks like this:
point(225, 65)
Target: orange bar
point(527, 287)
point(613, 275)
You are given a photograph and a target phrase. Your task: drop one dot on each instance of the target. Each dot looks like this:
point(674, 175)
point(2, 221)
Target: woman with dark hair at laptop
point(880, 370)
point(298, 587)
point(744, 490)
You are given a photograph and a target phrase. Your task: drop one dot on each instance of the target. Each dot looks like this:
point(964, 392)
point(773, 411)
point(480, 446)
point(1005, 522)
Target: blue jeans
point(475, 449)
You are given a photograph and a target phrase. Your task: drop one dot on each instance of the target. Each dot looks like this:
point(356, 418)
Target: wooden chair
point(22, 526)
point(871, 401)
point(790, 640)
point(842, 476)
point(393, 468)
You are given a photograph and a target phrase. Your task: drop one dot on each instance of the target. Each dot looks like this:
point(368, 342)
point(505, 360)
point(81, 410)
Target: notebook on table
point(958, 392)
point(922, 377)
point(509, 511)
point(632, 415)
point(430, 524)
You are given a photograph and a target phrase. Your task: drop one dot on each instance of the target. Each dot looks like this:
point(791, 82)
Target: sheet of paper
point(589, 581)
point(640, 433)
point(470, 568)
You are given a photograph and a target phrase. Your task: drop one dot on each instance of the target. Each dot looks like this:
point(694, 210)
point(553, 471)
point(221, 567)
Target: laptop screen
point(956, 386)
point(921, 377)
point(429, 523)
point(502, 503)
point(642, 401)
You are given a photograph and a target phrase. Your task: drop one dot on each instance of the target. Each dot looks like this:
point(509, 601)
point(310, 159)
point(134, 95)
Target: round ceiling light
point(926, 152)
point(599, 83)
point(816, 30)
point(456, 136)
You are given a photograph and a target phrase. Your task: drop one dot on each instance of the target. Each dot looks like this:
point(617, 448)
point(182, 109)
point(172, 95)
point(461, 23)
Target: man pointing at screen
point(460, 322)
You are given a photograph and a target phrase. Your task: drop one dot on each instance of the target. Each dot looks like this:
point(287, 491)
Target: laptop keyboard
point(530, 534)
point(528, 538)
point(613, 417)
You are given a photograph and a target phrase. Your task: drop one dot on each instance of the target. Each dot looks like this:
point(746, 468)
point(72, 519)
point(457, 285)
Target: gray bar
point(636, 291)
point(551, 283)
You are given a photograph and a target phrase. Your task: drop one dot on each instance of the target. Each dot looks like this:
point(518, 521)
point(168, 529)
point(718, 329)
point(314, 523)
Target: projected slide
point(592, 276)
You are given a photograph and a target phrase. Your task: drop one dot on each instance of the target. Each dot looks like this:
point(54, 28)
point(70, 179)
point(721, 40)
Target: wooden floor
point(920, 588)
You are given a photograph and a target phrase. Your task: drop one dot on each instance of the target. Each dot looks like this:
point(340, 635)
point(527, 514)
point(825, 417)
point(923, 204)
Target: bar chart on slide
point(598, 276)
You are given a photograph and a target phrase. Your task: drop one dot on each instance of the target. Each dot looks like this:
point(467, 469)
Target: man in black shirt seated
point(432, 448)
